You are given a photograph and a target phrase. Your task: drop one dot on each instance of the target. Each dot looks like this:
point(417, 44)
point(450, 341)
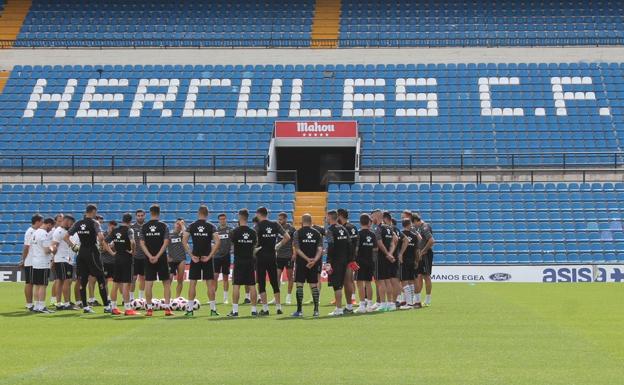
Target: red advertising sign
point(316, 129)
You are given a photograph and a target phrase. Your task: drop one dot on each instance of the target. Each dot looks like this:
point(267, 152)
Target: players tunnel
point(313, 148)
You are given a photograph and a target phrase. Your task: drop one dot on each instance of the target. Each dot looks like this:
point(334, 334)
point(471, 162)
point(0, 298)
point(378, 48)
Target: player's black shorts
point(139, 266)
point(395, 269)
point(109, 270)
point(303, 274)
point(88, 262)
point(222, 265)
point(201, 271)
point(244, 273)
point(365, 273)
point(157, 271)
point(52, 274)
point(63, 270)
point(123, 271)
point(173, 267)
point(284, 263)
point(28, 271)
point(337, 277)
point(40, 276)
point(384, 268)
point(407, 270)
point(426, 264)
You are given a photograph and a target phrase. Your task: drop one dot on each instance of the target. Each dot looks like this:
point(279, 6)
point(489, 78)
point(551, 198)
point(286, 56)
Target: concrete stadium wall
point(11, 57)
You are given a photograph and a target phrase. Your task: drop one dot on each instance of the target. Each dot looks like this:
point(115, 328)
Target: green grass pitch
point(538, 334)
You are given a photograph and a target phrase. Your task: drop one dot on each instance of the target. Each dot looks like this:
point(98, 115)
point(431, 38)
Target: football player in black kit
point(364, 265)
point(88, 261)
point(349, 284)
point(244, 239)
point(122, 238)
point(266, 260)
point(339, 253)
point(154, 242)
point(408, 259)
point(203, 233)
point(308, 244)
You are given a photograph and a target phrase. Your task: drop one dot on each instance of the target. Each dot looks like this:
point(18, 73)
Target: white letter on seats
point(350, 97)
point(38, 96)
point(560, 96)
point(85, 110)
point(191, 98)
point(243, 109)
point(485, 95)
point(158, 100)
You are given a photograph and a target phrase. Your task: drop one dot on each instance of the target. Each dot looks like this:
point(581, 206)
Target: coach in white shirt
point(41, 261)
point(26, 261)
point(62, 264)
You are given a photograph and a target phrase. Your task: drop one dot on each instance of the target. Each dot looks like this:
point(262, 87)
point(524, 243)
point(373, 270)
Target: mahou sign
point(316, 129)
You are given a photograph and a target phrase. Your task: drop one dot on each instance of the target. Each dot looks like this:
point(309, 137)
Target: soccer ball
point(182, 303)
point(175, 305)
point(138, 304)
point(156, 304)
point(196, 304)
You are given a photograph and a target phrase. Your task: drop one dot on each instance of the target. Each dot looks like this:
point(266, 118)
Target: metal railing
point(477, 176)
point(115, 163)
point(168, 176)
point(380, 42)
point(562, 160)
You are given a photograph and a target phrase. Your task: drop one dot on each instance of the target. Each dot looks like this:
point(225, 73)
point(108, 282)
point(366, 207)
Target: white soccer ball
point(175, 305)
point(137, 304)
point(156, 304)
point(196, 304)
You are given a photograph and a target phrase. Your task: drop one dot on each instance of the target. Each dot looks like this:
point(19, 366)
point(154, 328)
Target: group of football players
point(396, 257)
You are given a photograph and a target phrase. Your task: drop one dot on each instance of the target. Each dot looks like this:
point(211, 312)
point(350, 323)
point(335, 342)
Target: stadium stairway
point(4, 76)
point(12, 18)
point(326, 23)
point(314, 203)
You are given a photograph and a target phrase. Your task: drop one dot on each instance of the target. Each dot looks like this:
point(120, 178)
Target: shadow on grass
point(17, 314)
point(327, 317)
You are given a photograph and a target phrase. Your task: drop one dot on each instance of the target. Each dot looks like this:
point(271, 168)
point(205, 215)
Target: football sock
point(113, 304)
point(254, 309)
point(132, 296)
point(235, 308)
point(288, 298)
point(103, 291)
point(279, 306)
point(53, 300)
point(315, 297)
point(265, 307)
point(29, 304)
point(141, 294)
point(189, 305)
point(299, 297)
point(417, 299)
point(225, 296)
point(91, 299)
point(213, 305)
point(349, 306)
point(428, 298)
point(408, 294)
point(248, 296)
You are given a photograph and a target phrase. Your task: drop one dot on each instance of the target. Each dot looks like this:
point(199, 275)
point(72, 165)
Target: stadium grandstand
point(495, 127)
point(408, 116)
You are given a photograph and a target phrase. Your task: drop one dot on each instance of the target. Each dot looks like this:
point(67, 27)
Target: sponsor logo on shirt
point(245, 238)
